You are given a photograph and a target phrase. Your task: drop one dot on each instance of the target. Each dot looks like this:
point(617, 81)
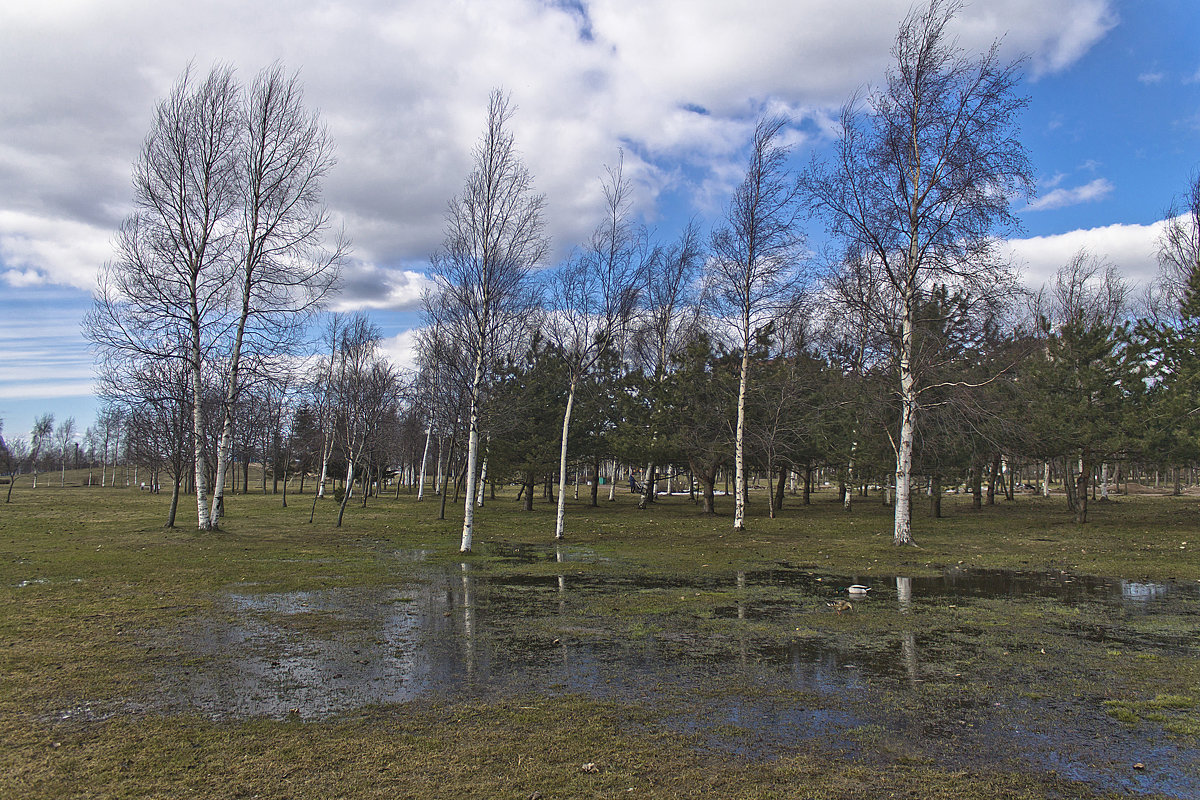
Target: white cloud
point(401, 350)
point(1131, 248)
point(368, 286)
point(22, 278)
point(402, 87)
point(1151, 78)
point(1055, 35)
point(40, 249)
point(1053, 181)
point(49, 390)
point(1061, 198)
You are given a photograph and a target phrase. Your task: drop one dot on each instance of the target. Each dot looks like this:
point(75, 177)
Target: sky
point(1112, 127)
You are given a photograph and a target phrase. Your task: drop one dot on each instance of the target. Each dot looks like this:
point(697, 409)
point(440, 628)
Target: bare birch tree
point(284, 270)
point(668, 317)
point(1178, 256)
point(494, 235)
point(64, 435)
point(39, 437)
point(18, 450)
point(591, 297)
point(755, 265)
point(922, 178)
point(365, 388)
point(171, 278)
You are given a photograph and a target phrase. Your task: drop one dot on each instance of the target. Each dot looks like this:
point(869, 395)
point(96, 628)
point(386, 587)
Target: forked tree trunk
point(995, 476)
point(527, 491)
point(648, 488)
point(707, 480)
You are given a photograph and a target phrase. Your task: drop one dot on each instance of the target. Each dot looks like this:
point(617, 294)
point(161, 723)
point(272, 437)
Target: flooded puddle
point(738, 660)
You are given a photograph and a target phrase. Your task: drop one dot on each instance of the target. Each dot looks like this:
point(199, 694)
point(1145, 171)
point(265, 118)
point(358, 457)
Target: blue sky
point(1112, 127)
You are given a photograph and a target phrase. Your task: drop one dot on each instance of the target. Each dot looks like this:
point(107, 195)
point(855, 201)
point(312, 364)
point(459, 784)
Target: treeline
point(1081, 385)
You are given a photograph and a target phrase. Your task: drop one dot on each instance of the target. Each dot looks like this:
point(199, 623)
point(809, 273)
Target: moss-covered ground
point(101, 605)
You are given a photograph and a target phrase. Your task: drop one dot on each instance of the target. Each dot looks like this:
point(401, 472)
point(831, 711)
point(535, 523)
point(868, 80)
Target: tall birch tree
point(667, 321)
point(284, 269)
point(494, 236)
point(923, 178)
point(755, 266)
point(170, 280)
point(591, 299)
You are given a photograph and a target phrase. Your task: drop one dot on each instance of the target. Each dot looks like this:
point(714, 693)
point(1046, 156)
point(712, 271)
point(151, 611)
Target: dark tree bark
point(995, 476)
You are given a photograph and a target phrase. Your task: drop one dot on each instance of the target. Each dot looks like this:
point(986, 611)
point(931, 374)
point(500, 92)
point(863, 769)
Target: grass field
point(115, 632)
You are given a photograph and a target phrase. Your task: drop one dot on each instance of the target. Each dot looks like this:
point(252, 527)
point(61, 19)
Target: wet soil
point(983, 669)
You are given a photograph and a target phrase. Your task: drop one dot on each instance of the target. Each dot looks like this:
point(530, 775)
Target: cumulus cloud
point(42, 249)
point(1131, 248)
point(1062, 197)
point(403, 87)
point(1055, 35)
point(401, 350)
point(368, 286)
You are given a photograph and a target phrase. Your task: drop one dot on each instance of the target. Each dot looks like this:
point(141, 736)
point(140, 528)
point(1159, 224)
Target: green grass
point(89, 578)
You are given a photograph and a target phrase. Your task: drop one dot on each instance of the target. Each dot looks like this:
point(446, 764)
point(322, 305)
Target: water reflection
point(461, 631)
point(904, 594)
point(1143, 592)
point(468, 607)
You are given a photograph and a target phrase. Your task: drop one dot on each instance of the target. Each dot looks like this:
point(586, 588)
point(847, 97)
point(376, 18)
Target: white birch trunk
point(612, 482)
point(349, 489)
point(437, 482)
point(225, 446)
point(116, 458)
point(202, 518)
point(472, 455)
point(483, 469)
point(902, 533)
point(847, 502)
point(424, 459)
point(223, 452)
point(1045, 479)
point(326, 452)
point(1104, 481)
point(739, 455)
point(560, 515)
